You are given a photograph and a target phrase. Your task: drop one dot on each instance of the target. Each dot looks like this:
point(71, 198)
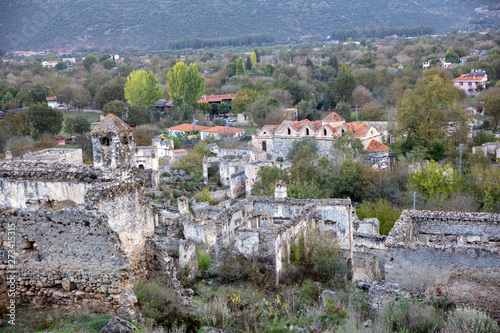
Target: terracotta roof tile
point(216, 98)
point(357, 129)
point(376, 146)
point(223, 130)
point(187, 128)
point(468, 77)
point(333, 118)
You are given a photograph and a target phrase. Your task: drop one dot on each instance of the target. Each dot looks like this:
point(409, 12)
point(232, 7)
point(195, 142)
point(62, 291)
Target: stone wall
point(447, 254)
point(60, 155)
point(28, 183)
point(69, 257)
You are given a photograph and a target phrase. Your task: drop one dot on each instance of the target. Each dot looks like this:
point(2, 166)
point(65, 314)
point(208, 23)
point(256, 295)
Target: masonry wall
point(445, 254)
point(68, 257)
point(27, 183)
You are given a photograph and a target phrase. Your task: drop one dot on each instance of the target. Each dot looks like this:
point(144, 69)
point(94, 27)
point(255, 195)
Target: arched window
point(324, 132)
point(125, 140)
point(105, 141)
point(289, 131)
point(307, 131)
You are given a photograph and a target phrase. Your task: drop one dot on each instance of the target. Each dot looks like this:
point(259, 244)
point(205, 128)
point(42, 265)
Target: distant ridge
point(153, 24)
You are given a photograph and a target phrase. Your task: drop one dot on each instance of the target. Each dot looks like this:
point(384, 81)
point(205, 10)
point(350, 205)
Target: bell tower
point(113, 145)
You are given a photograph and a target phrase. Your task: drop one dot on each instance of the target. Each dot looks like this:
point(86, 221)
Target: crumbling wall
point(237, 184)
point(128, 212)
point(26, 183)
point(60, 155)
point(447, 254)
point(69, 257)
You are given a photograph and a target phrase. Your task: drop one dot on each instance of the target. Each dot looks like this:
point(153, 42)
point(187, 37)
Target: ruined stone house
point(84, 234)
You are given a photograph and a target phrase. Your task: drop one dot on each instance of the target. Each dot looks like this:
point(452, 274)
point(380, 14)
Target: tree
point(90, 60)
point(308, 110)
point(343, 109)
point(118, 108)
point(82, 125)
point(253, 58)
point(69, 125)
point(110, 92)
point(61, 65)
point(432, 106)
point(491, 100)
point(248, 64)
point(80, 96)
point(244, 98)
point(371, 111)
point(452, 57)
point(345, 83)
point(33, 93)
point(239, 70)
point(138, 115)
point(185, 85)
point(44, 119)
point(142, 88)
point(361, 95)
point(298, 145)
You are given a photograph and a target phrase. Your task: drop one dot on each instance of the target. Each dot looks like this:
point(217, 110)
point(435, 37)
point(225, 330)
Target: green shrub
point(383, 210)
point(310, 292)
point(161, 304)
point(96, 324)
point(470, 321)
point(412, 316)
point(204, 261)
point(194, 158)
point(215, 311)
point(205, 195)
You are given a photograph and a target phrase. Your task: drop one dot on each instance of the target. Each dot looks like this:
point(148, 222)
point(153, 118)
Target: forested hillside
point(154, 24)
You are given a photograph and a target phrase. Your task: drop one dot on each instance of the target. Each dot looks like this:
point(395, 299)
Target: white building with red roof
point(277, 139)
point(219, 132)
point(227, 98)
point(185, 128)
point(471, 82)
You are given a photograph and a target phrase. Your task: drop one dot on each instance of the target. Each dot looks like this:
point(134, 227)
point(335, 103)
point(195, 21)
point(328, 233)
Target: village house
point(227, 98)
point(184, 129)
point(278, 139)
point(218, 132)
point(472, 82)
point(49, 64)
point(162, 105)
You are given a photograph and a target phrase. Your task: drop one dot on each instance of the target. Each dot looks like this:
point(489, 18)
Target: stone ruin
point(84, 234)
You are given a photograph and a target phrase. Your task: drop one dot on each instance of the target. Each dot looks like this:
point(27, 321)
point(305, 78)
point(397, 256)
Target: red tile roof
point(376, 146)
point(223, 130)
point(187, 128)
point(468, 77)
point(51, 99)
point(357, 129)
point(333, 118)
point(216, 98)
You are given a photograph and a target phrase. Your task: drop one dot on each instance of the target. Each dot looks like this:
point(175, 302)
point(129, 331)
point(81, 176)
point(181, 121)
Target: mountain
point(152, 24)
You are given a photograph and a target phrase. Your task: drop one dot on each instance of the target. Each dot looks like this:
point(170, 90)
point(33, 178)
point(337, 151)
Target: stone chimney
point(183, 205)
point(280, 190)
point(8, 155)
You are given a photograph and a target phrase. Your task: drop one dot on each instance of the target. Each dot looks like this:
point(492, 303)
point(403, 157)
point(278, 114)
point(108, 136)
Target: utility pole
point(414, 199)
point(460, 161)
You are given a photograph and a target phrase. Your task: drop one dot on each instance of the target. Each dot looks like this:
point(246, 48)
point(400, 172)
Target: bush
point(215, 311)
point(386, 213)
point(160, 304)
point(204, 261)
point(205, 195)
point(310, 292)
point(409, 315)
point(47, 141)
point(194, 158)
point(298, 145)
point(470, 321)
point(19, 145)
